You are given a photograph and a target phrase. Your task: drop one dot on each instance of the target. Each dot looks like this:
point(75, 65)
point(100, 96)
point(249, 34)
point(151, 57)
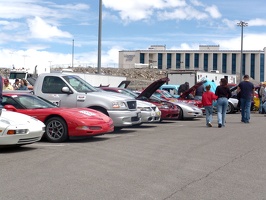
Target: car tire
point(230, 108)
point(180, 116)
point(56, 130)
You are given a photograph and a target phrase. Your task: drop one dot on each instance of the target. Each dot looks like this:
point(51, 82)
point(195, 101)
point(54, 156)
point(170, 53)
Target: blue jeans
point(222, 104)
point(245, 105)
point(208, 112)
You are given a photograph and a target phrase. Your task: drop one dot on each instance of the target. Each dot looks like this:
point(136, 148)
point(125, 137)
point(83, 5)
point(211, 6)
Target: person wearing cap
point(7, 85)
point(182, 88)
point(246, 89)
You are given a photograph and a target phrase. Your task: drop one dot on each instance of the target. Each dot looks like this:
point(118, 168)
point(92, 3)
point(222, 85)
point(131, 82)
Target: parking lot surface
point(169, 160)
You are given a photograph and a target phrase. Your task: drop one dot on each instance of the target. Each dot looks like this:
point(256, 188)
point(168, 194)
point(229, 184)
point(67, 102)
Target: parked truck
point(72, 91)
point(98, 80)
point(179, 77)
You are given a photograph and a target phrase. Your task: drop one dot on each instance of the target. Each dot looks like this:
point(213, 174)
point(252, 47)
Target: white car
point(149, 112)
point(19, 129)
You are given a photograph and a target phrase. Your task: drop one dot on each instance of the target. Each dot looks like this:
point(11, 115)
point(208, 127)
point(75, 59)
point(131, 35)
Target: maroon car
point(168, 109)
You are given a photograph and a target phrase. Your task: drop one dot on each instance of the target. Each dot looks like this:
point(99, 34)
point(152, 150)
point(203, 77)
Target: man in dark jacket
point(246, 89)
point(182, 88)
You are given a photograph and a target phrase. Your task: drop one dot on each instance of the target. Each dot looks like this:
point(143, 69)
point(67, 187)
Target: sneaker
point(219, 125)
point(209, 124)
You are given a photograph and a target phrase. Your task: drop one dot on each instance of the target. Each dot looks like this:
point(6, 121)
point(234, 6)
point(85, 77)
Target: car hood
point(82, 113)
point(15, 118)
point(144, 104)
point(124, 84)
point(152, 88)
point(193, 88)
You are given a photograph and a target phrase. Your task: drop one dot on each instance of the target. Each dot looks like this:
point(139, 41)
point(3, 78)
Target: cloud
point(213, 11)
point(257, 22)
point(40, 29)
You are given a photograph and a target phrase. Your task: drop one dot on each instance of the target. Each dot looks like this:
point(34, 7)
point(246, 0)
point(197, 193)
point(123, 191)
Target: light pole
point(100, 37)
point(242, 24)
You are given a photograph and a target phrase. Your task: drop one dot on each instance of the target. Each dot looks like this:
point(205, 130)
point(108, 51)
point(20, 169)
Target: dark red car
point(168, 109)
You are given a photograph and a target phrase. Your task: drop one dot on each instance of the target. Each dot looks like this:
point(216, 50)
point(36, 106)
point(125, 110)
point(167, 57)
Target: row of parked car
point(26, 117)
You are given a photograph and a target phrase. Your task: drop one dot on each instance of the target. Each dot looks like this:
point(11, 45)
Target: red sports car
point(61, 123)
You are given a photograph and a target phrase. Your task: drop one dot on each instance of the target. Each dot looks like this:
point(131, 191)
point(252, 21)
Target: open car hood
point(124, 84)
point(193, 88)
point(152, 88)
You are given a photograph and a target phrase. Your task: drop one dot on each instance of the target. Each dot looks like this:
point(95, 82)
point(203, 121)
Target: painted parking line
point(48, 145)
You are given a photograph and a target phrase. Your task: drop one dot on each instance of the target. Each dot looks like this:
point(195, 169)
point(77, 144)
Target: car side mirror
point(66, 90)
point(10, 108)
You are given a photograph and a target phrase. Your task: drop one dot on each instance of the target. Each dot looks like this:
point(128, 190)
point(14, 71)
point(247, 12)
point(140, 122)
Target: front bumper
point(124, 118)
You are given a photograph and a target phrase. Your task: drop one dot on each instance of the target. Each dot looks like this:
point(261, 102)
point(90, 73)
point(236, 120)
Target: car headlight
point(145, 108)
point(164, 107)
point(18, 131)
point(119, 104)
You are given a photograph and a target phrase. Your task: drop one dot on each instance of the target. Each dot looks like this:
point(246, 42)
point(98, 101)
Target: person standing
point(16, 85)
point(7, 85)
point(223, 93)
point(182, 88)
point(207, 99)
point(23, 84)
point(246, 89)
point(199, 92)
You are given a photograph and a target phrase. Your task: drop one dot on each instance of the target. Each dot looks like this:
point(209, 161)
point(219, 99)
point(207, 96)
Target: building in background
point(207, 58)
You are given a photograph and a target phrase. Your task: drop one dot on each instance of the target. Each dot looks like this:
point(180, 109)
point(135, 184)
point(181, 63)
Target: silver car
point(149, 112)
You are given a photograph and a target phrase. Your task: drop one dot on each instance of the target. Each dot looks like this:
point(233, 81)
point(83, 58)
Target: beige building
point(207, 58)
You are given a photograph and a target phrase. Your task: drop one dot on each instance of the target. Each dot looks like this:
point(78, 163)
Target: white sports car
point(19, 129)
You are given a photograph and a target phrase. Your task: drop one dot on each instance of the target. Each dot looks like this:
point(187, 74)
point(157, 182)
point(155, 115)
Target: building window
point(196, 60)
point(169, 61)
point(215, 61)
point(141, 58)
point(205, 62)
point(187, 60)
point(252, 66)
point(160, 60)
point(262, 67)
point(178, 60)
point(233, 63)
point(224, 63)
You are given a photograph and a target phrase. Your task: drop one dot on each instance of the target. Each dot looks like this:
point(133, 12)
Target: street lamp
point(100, 37)
point(241, 24)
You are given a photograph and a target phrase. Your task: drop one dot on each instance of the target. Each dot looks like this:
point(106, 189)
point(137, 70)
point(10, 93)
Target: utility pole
point(100, 37)
point(72, 53)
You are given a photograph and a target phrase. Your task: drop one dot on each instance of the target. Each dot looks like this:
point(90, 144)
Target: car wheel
point(180, 116)
point(230, 108)
point(56, 130)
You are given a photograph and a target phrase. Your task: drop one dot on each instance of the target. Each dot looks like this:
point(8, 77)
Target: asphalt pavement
point(172, 160)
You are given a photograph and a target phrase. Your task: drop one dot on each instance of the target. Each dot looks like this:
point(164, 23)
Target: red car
point(168, 109)
point(61, 123)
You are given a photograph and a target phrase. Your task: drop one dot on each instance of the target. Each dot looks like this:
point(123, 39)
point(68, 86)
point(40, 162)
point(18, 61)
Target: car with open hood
point(61, 123)
point(187, 110)
point(168, 109)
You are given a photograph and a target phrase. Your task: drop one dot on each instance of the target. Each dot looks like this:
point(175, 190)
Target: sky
point(52, 33)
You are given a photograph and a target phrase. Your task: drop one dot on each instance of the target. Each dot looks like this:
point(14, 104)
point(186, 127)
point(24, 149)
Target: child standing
point(207, 99)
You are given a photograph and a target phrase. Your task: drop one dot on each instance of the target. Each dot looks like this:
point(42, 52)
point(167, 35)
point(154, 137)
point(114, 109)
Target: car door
point(52, 91)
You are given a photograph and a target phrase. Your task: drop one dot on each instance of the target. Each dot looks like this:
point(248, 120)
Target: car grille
point(28, 140)
point(135, 119)
point(132, 104)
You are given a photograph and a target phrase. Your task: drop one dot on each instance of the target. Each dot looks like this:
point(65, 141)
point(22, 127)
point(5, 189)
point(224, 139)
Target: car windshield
point(166, 94)
point(27, 101)
point(128, 93)
point(79, 84)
